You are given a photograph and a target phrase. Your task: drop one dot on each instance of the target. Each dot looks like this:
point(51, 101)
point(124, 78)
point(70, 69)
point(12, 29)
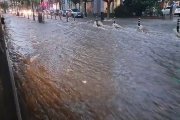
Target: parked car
point(166, 11)
point(177, 11)
point(64, 12)
point(56, 12)
point(76, 13)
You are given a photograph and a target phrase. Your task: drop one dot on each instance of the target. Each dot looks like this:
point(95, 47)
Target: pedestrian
point(172, 9)
point(67, 18)
point(2, 22)
point(60, 14)
point(68, 14)
point(170, 12)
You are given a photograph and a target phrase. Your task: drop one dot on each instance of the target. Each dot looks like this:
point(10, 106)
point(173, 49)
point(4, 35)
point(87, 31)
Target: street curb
point(11, 75)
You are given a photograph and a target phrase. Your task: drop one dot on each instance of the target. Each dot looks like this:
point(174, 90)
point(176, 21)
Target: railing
point(12, 107)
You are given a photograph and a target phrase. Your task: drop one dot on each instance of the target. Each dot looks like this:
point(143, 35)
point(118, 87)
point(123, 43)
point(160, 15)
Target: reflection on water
point(80, 72)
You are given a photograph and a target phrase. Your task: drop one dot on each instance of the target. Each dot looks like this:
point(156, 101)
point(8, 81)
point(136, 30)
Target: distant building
point(116, 3)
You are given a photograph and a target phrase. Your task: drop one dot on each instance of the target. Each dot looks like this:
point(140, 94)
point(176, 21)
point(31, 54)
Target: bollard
point(28, 16)
point(34, 17)
point(74, 17)
point(102, 16)
point(67, 17)
point(55, 16)
point(139, 21)
point(178, 25)
point(17, 14)
point(51, 15)
point(43, 17)
point(96, 21)
point(47, 15)
point(114, 20)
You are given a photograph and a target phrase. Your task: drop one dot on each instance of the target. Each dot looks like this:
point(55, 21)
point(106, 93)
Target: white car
point(177, 11)
point(166, 11)
point(76, 13)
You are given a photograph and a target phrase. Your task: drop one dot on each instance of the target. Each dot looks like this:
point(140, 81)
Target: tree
point(121, 2)
point(138, 6)
point(85, 11)
point(4, 5)
point(75, 2)
point(60, 4)
point(108, 6)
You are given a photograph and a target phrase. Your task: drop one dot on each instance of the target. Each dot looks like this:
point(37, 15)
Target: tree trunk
point(69, 4)
point(59, 4)
point(85, 12)
point(56, 6)
point(108, 10)
point(79, 6)
point(33, 10)
point(121, 2)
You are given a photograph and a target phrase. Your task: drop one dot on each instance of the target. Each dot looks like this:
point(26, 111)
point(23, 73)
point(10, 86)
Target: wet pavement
point(76, 71)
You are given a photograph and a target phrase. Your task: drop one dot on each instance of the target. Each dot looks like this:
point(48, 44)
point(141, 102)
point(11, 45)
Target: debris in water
point(84, 82)
point(33, 58)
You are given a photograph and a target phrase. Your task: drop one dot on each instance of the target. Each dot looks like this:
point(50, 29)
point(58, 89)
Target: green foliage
point(122, 11)
point(4, 5)
point(138, 6)
point(75, 1)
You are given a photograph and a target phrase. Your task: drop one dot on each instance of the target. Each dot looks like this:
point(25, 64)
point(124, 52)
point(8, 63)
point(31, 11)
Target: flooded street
point(75, 71)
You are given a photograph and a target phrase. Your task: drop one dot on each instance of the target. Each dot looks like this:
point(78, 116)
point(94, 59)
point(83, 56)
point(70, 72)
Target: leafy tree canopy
point(138, 6)
point(75, 1)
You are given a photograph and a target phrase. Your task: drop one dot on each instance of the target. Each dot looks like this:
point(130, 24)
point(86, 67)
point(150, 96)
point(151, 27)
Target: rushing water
point(76, 71)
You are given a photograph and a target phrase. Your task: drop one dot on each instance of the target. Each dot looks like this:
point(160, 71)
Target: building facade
point(92, 6)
